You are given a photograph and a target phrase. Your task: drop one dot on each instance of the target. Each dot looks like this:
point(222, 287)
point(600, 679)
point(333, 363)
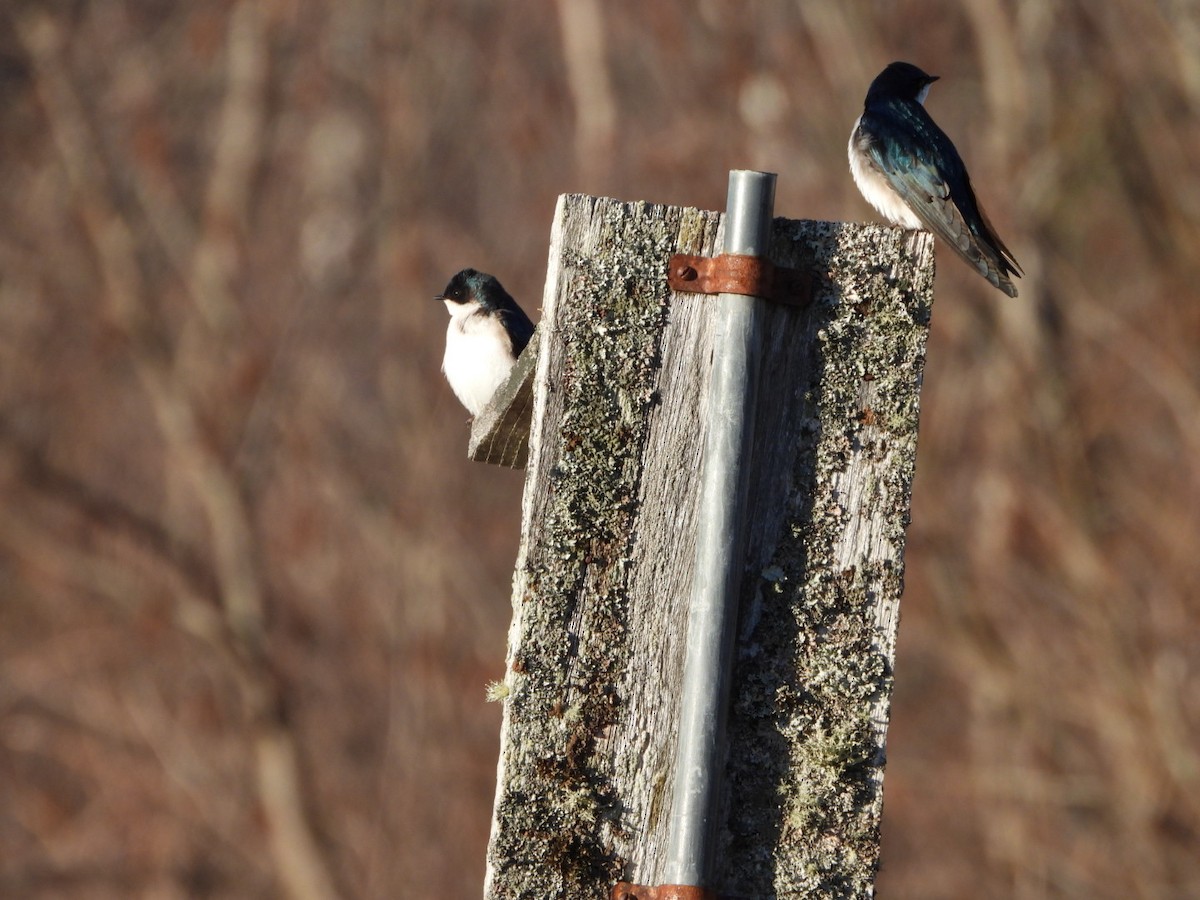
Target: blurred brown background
point(252, 590)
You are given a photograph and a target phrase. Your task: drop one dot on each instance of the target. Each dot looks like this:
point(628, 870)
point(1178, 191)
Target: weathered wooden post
point(601, 595)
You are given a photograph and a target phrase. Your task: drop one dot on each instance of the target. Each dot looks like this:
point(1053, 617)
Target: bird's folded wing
point(928, 196)
point(520, 328)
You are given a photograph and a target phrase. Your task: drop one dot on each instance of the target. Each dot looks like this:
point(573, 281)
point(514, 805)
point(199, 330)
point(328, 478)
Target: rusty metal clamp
point(732, 273)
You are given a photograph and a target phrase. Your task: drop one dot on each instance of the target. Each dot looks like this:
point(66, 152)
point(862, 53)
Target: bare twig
point(582, 26)
point(237, 154)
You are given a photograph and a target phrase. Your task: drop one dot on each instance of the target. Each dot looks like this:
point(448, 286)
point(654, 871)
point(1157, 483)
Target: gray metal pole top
point(720, 545)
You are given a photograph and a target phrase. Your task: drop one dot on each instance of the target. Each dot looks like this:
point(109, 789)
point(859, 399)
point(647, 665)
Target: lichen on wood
point(604, 572)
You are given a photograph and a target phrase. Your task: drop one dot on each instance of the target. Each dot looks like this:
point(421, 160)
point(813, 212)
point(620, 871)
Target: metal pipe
point(720, 553)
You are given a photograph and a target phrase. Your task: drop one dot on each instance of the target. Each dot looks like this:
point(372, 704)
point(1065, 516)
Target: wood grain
point(500, 433)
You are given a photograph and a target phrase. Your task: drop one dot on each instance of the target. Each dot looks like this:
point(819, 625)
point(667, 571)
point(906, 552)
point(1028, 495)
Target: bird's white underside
point(875, 188)
point(478, 355)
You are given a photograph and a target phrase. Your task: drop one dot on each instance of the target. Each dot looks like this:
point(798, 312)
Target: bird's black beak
point(933, 78)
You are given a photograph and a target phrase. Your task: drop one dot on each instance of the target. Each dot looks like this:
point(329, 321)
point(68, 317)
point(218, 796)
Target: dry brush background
point(250, 588)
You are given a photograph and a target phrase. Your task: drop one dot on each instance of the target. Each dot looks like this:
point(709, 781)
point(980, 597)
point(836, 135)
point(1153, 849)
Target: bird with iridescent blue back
point(907, 168)
point(487, 332)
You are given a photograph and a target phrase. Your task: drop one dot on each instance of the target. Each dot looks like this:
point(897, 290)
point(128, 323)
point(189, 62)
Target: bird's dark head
point(471, 286)
point(900, 81)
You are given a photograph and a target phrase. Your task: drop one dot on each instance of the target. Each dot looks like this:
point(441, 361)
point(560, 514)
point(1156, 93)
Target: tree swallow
point(906, 168)
point(487, 333)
